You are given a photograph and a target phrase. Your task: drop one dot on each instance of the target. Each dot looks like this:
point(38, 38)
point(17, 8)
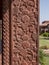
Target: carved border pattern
point(6, 33)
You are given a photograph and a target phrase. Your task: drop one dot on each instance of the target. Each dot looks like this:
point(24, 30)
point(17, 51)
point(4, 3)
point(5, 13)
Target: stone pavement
point(46, 51)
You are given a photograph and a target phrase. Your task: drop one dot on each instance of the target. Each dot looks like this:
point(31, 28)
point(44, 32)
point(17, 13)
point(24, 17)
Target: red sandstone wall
point(20, 40)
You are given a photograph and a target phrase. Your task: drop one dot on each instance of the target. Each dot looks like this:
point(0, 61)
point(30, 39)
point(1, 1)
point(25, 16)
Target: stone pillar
point(6, 32)
point(20, 32)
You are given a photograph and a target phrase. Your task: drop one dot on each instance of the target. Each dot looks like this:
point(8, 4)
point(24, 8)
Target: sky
point(44, 10)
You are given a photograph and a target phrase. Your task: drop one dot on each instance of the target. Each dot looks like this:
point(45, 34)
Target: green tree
point(41, 57)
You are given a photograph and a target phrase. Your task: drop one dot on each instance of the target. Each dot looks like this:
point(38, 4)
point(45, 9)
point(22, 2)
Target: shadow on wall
point(0, 46)
point(0, 36)
point(0, 9)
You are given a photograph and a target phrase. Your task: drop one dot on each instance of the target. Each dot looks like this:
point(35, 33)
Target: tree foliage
point(41, 57)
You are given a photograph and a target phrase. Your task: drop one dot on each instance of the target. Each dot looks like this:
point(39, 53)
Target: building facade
point(44, 27)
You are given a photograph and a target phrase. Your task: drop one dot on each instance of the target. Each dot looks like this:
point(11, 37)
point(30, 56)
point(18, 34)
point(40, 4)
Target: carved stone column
point(6, 32)
point(20, 40)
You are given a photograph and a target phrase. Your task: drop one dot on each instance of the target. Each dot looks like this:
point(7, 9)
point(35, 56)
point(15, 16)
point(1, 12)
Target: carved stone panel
point(24, 35)
point(20, 32)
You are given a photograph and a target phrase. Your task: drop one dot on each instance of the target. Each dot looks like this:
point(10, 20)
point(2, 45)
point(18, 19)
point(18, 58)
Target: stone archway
point(20, 32)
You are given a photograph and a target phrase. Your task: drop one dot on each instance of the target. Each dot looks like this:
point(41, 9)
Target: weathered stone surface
point(20, 32)
point(6, 33)
point(26, 32)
